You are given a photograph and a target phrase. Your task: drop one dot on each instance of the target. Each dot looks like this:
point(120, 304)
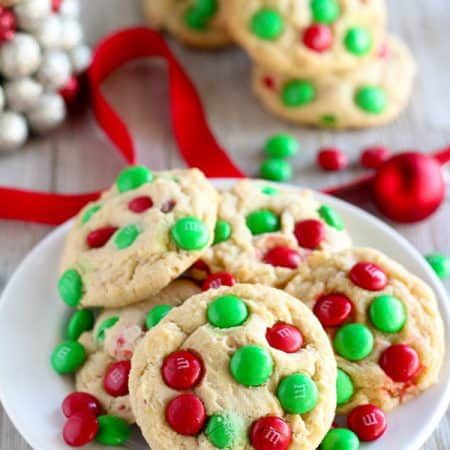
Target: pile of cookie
point(236, 319)
point(326, 63)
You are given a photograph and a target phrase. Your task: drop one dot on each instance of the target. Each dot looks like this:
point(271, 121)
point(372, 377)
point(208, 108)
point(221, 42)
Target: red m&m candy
point(80, 429)
point(186, 414)
point(368, 276)
point(81, 402)
point(373, 157)
point(283, 257)
point(333, 310)
point(140, 204)
point(98, 238)
point(310, 233)
point(115, 380)
point(217, 280)
point(400, 362)
point(332, 159)
point(318, 38)
point(182, 370)
point(368, 422)
point(270, 433)
point(285, 337)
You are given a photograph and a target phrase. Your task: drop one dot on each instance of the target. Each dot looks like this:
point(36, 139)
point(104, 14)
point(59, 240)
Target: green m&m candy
point(194, 19)
point(267, 24)
point(344, 388)
point(223, 430)
point(112, 430)
point(251, 365)
point(70, 287)
point(358, 41)
point(440, 264)
point(227, 311)
point(222, 231)
point(68, 357)
point(89, 213)
point(126, 236)
point(325, 11)
point(340, 439)
point(298, 394)
point(263, 221)
point(275, 169)
point(190, 233)
point(156, 314)
point(107, 323)
point(331, 217)
point(371, 99)
point(387, 314)
point(133, 177)
point(80, 321)
point(297, 93)
point(281, 145)
point(270, 190)
point(353, 342)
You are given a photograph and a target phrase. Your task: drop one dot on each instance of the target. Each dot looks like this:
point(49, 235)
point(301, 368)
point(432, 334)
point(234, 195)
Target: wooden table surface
point(78, 158)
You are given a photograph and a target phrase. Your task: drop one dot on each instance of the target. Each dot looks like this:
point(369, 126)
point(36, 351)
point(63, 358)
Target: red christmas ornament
point(333, 310)
point(270, 433)
point(80, 402)
point(332, 159)
point(283, 257)
point(140, 204)
point(310, 233)
point(186, 414)
point(56, 5)
point(368, 422)
point(80, 429)
point(115, 380)
point(374, 157)
point(98, 238)
point(318, 38)
point(8, 24)
point(400, 362)
point(368, 276)
point(182, 370)
point(285, 337)
point(217, 280)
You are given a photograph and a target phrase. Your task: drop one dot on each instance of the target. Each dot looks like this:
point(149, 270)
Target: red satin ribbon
point(195, 140)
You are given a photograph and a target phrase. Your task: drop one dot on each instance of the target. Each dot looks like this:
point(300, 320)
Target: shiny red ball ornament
point(285, 337)
point(310, 233)
point(182, 370)
point(332, 159)
point(409, 187)
point(115, 380)
point(99, 237)
point(374, 157)
point(217, 280)
point(8, 24)
point(283, 257)
point(333, 310)
point(368, 422)
point(318, 38)
point(368, 276)
point(139, 205)
point(80, 429)
point(80, 402)
point(70, 92)
point(186, 414)
point(400, 362)
point(270, 433)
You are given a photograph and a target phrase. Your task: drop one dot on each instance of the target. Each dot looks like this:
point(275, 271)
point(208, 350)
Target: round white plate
point(32, 319)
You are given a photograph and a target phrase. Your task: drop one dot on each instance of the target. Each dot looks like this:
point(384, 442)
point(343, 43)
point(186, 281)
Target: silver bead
point(80, 57)
point(22, 94)
point(49, 32)
point(49, 112)
point(20, 57)
point(70, 8)
point(30, 13)
point(55, 69)
point(71, 34)
point(13, 131)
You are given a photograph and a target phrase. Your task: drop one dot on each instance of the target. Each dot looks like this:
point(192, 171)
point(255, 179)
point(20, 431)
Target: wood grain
point(78, 158)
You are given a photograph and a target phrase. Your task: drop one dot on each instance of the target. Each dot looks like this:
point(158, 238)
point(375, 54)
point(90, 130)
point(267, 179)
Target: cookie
point(373, 94)
point(264, 233)
point(383, 321)
point(198, 23)
point(308, 37)
point(237, 368)
point(138, 237)
point(112, 342)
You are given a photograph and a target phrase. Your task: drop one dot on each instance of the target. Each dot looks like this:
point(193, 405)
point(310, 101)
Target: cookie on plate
point(308, 37)
point(198, 23)
point(112, 342)
point(384, 323)
point(237, 368)
point(264, 233)
point(138, 237)
point(373, 94)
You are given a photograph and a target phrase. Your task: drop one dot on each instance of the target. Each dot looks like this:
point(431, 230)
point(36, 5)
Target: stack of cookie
point(240, 319)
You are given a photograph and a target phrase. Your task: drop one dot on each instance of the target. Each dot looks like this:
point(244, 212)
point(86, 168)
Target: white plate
point(32, 320)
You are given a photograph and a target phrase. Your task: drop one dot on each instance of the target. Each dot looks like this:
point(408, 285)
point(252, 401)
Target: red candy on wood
point(283, 257)
point(285, 337)
point(332, 159)
point(368, 276)
point(186, 414)
point(140, 204)
point(270, 433)
point(333, 310)
point(7, 24)
point(310, 233)
point(374, 157)
point(115, 380)
point(318, 38)
point(182, 370)
point(81, 402)
point(98, 238)
point(217, 280)
point(80, 429)
point(368, 422)
point(400, 362)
